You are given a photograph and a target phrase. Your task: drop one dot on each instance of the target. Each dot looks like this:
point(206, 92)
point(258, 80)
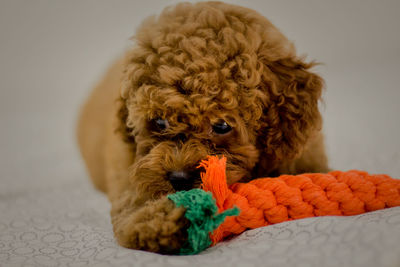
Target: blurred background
point(53, 52)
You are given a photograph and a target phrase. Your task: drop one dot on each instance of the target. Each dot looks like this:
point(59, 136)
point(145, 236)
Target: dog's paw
point(159, 226)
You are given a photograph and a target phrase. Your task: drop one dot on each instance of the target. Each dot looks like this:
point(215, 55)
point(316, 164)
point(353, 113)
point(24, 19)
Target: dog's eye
point(221, 127)
point(161, 124)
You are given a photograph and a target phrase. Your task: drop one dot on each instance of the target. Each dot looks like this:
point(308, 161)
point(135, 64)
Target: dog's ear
point(134, 74)
point(291, 111)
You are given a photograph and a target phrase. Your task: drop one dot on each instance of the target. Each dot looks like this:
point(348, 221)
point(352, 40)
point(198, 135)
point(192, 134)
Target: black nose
point(182, 180)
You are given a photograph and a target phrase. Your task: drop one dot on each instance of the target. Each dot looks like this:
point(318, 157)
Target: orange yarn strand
point(267, 201)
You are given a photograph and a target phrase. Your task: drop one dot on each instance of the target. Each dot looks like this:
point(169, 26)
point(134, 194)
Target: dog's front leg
point(157, 226)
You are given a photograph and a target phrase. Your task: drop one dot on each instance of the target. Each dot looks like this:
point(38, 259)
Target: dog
point(208, 78)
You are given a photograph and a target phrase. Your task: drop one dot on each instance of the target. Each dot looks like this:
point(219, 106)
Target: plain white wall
point(52, 52)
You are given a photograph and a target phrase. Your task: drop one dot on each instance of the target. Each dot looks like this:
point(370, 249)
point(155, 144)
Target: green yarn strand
point(201, 211)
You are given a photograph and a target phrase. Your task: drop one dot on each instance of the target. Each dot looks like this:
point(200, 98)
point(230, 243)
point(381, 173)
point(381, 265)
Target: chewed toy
point(218, 211)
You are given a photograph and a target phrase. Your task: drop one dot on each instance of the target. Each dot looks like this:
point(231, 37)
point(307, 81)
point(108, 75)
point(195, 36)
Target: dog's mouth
point(185, 179)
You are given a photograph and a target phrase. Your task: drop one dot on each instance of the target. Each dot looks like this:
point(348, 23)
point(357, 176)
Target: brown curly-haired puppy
point(205, 78)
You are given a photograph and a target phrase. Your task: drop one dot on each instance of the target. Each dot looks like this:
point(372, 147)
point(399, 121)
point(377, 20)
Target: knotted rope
point(266, 201)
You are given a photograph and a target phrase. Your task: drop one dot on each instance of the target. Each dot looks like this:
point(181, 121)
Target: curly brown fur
point(196, 65)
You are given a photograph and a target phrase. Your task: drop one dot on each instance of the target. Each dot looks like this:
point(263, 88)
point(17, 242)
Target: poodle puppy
point(203, 79)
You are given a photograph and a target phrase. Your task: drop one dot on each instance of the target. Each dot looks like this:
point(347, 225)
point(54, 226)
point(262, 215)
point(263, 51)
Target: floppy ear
point(291, 112)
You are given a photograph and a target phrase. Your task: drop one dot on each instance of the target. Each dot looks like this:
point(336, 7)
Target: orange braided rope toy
point(267, 201)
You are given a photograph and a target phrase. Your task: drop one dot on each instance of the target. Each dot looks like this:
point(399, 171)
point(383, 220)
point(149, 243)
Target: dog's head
point(213, 78)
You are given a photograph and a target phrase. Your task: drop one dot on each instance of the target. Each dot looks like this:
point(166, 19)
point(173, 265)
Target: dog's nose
point(181, 180)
